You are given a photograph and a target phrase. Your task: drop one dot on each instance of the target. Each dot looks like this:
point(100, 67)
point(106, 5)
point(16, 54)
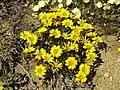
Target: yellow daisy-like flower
point(66, 45)
point(70, 46)
point(32, 39)
point(118, 49)
point(1, 87)
point(47, 22)
point(92, 49)
point(55, 33)
point(91, 56)
point(25, 35)
point(63, 13)
point(97, 40)
point(52, 15)
point(47, 18)
point(56, 51)
point(88, 45)
point(71, 63)
point(81, 22)
point(40, 54)
point(56, 23)
point(43, 16)
point(42, 30)
point(76, 29)
point(74, 46)
point(85, 68)
point(47, 57)
point(67, 23)
point(87, 26)
point(57, 65)
point(29, 49)
point(40, 71)
point(75, 36)
point(65, 35)
point(81, 77)
point(92, 34)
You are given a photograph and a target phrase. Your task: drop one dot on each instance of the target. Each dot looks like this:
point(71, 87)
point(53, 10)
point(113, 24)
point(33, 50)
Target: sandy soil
point(108, 74)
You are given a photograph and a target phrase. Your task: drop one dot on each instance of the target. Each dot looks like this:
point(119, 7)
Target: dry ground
point(108, 74)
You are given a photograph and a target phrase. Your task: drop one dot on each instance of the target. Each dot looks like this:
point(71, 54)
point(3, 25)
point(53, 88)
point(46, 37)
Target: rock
point(106, 75)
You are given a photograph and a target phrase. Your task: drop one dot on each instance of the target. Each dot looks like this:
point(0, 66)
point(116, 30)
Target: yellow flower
point(47, 22)
point(92, 49)
point(70, 46)
point(87, 26)
point(57, 65)
point(65, 35)
point(43, 15)
point(91, 56)
point(75, 36)
point(25, 35)
point(55, 33)
point(40, 71)
point(56, 23)
point(42, 30)
point(88, 45)
point(118, 49)
point(52, 15)
point(1, 87)
point(46, 19)
point(66, 45)
point(56, 51)
point(85, 68)
point(29, 49)
point(32, 39)
point(81, 77)
point(97, 40)
point(81, 22)
point(64, 13)
point(92, 34)
point(76, 29)
point(67, 23)
point(71, 63)
point(40, 54)
point(74, 46)
point(47, 57)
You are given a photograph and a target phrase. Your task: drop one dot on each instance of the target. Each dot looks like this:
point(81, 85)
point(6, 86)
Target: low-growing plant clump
point(63, 45)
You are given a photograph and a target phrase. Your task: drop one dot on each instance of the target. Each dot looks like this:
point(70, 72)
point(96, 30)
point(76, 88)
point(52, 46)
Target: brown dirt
point(108, 74)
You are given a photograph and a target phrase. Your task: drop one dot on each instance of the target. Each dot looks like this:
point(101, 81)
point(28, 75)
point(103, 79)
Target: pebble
point(111, 78)
point(119, 59)
point(106, 75)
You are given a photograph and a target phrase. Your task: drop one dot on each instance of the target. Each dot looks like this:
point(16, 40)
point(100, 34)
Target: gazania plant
point(63, 45)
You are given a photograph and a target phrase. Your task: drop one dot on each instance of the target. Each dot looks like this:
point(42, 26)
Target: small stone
point(111, 78)
point(106, 75)
point(119, 60)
